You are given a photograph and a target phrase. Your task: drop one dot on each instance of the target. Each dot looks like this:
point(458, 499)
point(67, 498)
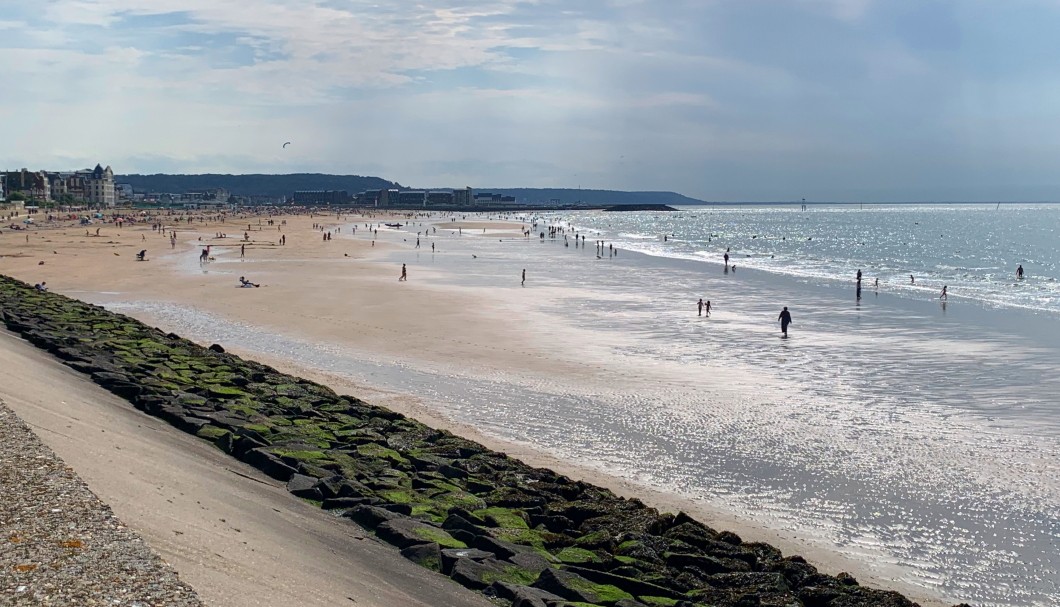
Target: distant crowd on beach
point(164, 223)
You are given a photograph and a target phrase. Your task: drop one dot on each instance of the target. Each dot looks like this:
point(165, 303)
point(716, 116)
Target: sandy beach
point(339, 291)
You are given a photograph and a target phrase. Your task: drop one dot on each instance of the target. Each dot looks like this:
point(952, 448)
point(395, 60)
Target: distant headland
point(322, 188)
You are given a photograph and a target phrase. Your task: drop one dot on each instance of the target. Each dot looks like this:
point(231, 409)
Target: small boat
point(392, 225)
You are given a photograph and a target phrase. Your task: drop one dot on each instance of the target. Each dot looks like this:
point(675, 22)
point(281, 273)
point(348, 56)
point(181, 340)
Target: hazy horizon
point(769, 100)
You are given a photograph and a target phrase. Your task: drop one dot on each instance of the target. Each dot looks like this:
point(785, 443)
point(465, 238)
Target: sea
point(916, 434)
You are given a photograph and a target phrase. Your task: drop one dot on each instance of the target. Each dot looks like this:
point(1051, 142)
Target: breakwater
point(489, 522)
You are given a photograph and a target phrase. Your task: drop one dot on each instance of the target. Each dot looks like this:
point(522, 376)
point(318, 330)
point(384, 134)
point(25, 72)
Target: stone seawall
point(528, 536)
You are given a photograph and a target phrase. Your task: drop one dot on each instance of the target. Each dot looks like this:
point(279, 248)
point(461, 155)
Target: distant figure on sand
point(524, 277)
point(700, 304)
point(943, 294)
point(243, 282)
point(404, 274)
point(785, 320)
point(242, 251)
point(142, 255)
point(1019, 272)
point(41, 286)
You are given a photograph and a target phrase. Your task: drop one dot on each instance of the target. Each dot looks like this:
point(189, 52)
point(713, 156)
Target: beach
point(542, 358)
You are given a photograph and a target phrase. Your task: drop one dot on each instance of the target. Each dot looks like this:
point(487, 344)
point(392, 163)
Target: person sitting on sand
point(41, 286)
point(243, 282)
point(142, 255)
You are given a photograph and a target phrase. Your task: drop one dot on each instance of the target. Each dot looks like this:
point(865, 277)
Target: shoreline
point(496, 329)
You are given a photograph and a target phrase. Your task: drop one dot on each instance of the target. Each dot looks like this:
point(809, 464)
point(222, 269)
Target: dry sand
point(334, 292)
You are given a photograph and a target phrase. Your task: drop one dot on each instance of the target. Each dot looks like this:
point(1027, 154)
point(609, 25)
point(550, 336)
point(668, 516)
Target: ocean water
point(917, 436)
point(973, 249)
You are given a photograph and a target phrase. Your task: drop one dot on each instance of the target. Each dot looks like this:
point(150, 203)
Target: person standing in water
point(706, 309)
point(523, 283)
point(943, 294)
point(700, 304)
point(785, 320)
point(1019, 272)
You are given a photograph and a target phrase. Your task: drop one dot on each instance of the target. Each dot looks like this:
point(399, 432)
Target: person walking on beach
point(706, 309)
point(404, 274)
point(242, 251)
point(785, 320)
point(524, 278)
point(700, 304)
point(943, 294)
point(726, 260)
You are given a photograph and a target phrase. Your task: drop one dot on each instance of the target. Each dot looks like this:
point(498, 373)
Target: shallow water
point(922, 438)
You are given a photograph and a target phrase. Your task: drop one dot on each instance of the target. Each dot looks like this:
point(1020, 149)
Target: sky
point(737, 100)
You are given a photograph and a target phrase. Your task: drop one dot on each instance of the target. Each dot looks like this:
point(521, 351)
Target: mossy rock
point(503, 517)
point(602, 593)
point(528, 537)
point(211, 432)
point(512, 574)
point(457, 499)
point(577, 556)
point(220, 391)
point(302, 455)
point(597, 539)
point(438, 536)
point(379, 451)
point(658, 601)
point(400, 496)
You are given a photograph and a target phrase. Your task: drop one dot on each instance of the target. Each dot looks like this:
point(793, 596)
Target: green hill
point(254, 185)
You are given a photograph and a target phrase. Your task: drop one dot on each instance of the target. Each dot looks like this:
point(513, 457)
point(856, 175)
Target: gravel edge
point(60, 545)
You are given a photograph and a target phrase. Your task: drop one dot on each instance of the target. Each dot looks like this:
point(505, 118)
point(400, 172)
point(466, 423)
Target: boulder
point(706, 564)
point(424, 555)
point(370, 517)
point(630, 585)
point(574, 587)
point(455, 521)
point(404, 532)
point(478, 574)
point(216, 348)
point(304, 486)
point(339, 503)
point(269, 464)
point(515, 592)
point(451, 555)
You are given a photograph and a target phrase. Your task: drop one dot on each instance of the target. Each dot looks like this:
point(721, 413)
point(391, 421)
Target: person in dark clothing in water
point(785, 320)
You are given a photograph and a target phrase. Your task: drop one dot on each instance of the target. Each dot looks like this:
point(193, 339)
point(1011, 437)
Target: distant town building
point(490, 199)
point(99, 187)
point(92, 186)
point(412, 198)
point(462, 198)
point(440, 198)
point(321, 197)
